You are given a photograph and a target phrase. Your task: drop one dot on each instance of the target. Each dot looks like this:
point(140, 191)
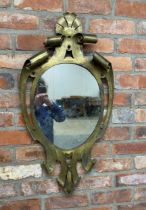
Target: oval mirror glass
point(67, 104)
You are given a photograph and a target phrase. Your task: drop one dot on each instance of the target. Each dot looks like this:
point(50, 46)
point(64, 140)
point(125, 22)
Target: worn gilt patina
point(66, 47)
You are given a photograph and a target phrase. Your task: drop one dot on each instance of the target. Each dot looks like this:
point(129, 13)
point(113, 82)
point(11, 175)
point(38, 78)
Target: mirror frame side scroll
point(69, 39)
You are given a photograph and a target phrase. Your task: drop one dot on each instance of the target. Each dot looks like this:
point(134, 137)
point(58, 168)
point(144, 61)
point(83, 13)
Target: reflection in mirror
point(67, 104)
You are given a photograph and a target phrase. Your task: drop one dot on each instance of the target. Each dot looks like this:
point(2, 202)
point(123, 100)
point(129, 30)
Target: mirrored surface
point(67, 104)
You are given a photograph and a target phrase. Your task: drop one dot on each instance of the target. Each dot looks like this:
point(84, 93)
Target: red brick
point(13, 62)
point(100, 149)
point(20, 120)
point(30, 42)
point(5, 156)
point(132, 46)
point(140, 98)
point(49, 23)
point(140, 64)
point(117, 134)
point(139, 162)
point(36, 187)
point(6, 119)
point(101, 208)
point(120, 63)
point(122, 99)
point(95, 182)
point(129, 81)
point(141, 206)
point(103, 45)
point(141, 27)
point(49, 5)
point(90, 6)
point(60, 202)
point(29, 153)
point(131, 179)
point(31, 204)
point(123, 115)
point(140, 132)
point(6, 81)
point(131, 8)
point(5, 41)
point(129, 148)
point(106, 26)
point(142, 81)
point(18, 21)
point(110, 165)
point(9, 100)
point(140, 115)
point(140, 194)
point(4, 3)
point(14, 137)
point(116, 196)
point(7, 190)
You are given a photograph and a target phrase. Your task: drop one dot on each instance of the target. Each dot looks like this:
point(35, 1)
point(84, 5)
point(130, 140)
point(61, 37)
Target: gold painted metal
point(69, 38)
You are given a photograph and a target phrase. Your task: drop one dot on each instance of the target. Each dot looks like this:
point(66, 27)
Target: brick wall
point(118, 180)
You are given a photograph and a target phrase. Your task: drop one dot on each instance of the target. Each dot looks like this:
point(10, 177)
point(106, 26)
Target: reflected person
point(46, 111)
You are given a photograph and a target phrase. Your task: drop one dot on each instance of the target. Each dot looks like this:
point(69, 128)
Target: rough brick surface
point(117, 196)
point(7, 190)
point(132, 46)
point(140, 64)
point(123, 116)
point(60, 202)
point(29, 153)
point(141, 27)
point(129, 148)
point(131, 8)
point(13, 61)
point(39, 187)
point(14, 137)
point(31, 204)
point(103, 45)
point(9, 100)
point(6, 119)
point(5, 41)
point(122, 99)
point(120, 63)
point(131, 179)
point(4, 3)
point(95, 182)
point(100, 149)
point(140, 132)
point(117, 134)
point(90, 6)
point(140, 115)
point(130, 81)
point(113, 165)
point(18, 21)
point(104, 26)
point(20, 172)
point(5, 156)
point(141, 206)
point(30, 42)
point(140, 162)
point(55, 6)
point(140, 98)
point(140, 194)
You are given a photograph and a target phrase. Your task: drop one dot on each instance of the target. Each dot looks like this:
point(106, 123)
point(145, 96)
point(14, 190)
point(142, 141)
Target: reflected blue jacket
point(45, 116)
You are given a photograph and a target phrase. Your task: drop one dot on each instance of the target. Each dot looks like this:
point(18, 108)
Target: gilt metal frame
point(69, 38)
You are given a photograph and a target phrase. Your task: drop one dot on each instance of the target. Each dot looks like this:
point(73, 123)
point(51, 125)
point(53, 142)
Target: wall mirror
point(67, 99)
